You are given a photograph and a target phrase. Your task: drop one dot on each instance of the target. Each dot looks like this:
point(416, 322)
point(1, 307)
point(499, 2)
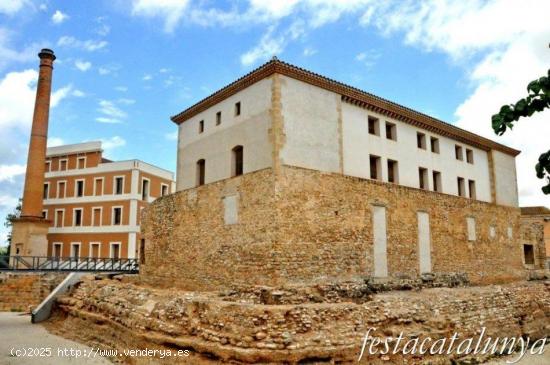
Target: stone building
point(285, 176)
point(94, 204)
point(535, 237)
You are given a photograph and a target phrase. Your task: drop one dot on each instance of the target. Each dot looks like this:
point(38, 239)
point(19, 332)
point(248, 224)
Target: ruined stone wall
point(305, 227)
point(108, 313)
point(21, 291)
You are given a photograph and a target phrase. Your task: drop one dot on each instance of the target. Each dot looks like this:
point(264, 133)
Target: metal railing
point(70, 264)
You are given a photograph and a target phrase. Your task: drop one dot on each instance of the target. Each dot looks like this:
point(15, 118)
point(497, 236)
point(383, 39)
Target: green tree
point(8, 222)
point(537, 100)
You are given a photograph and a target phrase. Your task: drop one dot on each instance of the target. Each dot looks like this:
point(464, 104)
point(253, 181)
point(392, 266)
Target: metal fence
point(70, 264)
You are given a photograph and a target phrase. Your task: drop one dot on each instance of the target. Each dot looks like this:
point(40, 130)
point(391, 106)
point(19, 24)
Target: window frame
point(113, 215)
point(81, 217)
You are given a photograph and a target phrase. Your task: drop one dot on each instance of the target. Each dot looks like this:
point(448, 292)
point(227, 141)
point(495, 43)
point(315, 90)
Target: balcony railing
point(69, 264)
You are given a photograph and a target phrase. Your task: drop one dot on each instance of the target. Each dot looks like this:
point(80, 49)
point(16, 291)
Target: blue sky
point(124, 67)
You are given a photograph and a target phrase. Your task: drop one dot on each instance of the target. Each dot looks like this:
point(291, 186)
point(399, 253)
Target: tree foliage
point(8, 222)
point(537, 100)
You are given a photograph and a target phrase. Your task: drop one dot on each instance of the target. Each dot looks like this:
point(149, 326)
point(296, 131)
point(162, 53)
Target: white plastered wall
point(214, 145)
point(506, 187)
point(358, 144)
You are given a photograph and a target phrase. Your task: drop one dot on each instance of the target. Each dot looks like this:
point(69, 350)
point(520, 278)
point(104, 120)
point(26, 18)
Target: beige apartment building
point(94, 204)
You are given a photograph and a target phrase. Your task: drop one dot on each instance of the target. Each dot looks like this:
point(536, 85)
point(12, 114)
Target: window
point(57, 249)
point(421, 140)
point(471, 227)
point(393, 174)
point(458, 153)
point(46, 192)
point(77, 217)
point(237, 109)
point(163, 189)
point(436, 176)
point(48, 166)
point(59, 217)
point(61, 189)
point(529, 254)
point(96, 216)
point(237, 168)
point(45, 214)
point(510, 232)
point(434, 144)
point(95, 249)
point(200, 172)
point(75, 250)
point(79, 188)
point(423, 178)
point(114, 251)
point(119, 185)
point(375, 170)
point(461, 187)
point(218, 118)
point(144, 189)
point(391, 131)
point(63, 165)
point(98, 186)
point(492, 231)
point(117, 216)
point(201, 126)
point(472, 188)
point(374, 126)
point(81, 162)
point(469, 156)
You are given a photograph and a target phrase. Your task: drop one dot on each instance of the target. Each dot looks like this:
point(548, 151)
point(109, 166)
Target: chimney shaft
point(36, 160)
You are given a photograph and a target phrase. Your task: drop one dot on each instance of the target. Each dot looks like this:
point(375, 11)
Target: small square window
point(421, 140)
point(529, 254)
point(374, 126)
point(237, 109)
point(434, 144)
point(391, 131)
point(218, 118)
point(201, 126)
point(469, 156)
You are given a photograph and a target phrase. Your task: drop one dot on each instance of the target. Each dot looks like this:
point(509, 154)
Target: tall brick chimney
point(30, 231)
point(36, 160)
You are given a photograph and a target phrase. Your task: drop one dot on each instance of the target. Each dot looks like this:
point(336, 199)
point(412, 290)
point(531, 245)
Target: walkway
point(17, 333)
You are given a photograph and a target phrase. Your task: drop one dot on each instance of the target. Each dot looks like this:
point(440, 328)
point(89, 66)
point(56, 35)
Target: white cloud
point(126, 101)
point(112, 143)
point(103, 71)
point(146, 77)
point(55, 141)
point(10, 7)
point(170, 10)
point(173, 136)
point(8, 172)
point(112, 114)
point(9, 54)
point(268, 46)
point(368, 58)
point(89, 45)
point(308, 51)
point(82, 65)
point(59, 17)
point(78, 93)
point(121, 88)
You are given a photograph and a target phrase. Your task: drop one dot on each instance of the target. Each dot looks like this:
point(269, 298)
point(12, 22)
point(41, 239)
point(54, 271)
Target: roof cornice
point(350, 95)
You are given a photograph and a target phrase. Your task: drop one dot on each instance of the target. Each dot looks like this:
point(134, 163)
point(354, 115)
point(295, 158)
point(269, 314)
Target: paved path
point(528, 359)
point(18, 333)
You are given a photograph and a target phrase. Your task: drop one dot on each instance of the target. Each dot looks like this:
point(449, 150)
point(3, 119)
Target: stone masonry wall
point(21, 291)
point(306, 227)
point(532, 232)
point(108, 313)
